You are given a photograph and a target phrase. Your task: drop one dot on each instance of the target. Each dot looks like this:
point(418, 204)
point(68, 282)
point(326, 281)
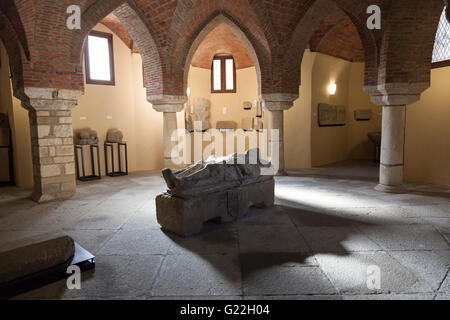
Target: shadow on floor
point(269, 246)
point(349, 170)
point(434, 194)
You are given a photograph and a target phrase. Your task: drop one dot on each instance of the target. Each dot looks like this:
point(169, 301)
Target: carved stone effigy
point(219, 189)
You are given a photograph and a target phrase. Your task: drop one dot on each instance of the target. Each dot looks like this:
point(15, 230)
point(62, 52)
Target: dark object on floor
point(46, 269)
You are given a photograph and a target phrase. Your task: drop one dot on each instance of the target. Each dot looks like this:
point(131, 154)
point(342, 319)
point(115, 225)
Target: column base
point(390, 189)
point(41, 198)
point(281, 173)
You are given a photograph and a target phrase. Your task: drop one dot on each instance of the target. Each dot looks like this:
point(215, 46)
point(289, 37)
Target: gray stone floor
point(327, 228)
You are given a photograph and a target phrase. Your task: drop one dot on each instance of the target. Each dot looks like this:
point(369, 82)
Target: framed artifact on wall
point(331, 115)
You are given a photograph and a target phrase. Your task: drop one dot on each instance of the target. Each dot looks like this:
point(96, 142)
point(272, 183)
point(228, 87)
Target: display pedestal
point(120, 146)
point(82, 177)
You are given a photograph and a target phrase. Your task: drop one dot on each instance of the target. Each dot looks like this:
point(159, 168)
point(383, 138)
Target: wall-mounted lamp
point(332, 88)
point(188, 92)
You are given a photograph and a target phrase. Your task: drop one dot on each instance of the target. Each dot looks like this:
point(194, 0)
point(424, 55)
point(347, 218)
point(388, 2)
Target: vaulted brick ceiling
point(113, 23)
point(221, 40)
point(336, 36)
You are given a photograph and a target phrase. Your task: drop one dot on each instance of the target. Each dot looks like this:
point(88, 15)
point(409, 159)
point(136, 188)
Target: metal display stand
point(11, 180)
point(377, 154)
point(93, 176)
point(120, 172)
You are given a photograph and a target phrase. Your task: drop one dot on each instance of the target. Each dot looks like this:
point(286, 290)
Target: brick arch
point(310, 22)
point(259, 56)
point(143, 38)
point(300, 39)
point(139, 30)
point(90, 17)
point(15, 52)
point(11, 13)
point(407, 46)
point(370, 48)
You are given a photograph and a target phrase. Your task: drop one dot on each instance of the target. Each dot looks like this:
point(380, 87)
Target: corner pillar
point(52, 142)
point(394, 99)
point(276, 104)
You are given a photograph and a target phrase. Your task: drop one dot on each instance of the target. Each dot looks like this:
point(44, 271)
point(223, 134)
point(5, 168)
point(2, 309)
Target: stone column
point(394, 100)
point(276, 104)
point(169, 106)
point(392, 148)
point(169, 127)
point(52, 142)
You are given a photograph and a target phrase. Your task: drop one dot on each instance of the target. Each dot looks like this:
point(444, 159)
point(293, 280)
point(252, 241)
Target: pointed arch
point(15, 52)
point(259, 56)
point(407, 48)
point(370, 48)
point(138, 28)
point(144, 39)
point(309, 23)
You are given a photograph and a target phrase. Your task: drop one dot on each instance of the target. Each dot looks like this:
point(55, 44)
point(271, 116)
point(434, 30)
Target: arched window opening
point(223, 75)
point(99, 57)
point(441, 52)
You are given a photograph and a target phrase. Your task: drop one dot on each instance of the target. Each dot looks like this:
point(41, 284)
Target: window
point(223, 75)
point(99, 58)
point(441, 52)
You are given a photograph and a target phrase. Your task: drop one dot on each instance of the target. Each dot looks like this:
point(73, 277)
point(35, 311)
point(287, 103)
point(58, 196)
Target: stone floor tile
point(337, 239)
point(196, 275)
point(137, 242)
point(283, 274)
point(352, 274)
point(276, 238)
point(406, 237)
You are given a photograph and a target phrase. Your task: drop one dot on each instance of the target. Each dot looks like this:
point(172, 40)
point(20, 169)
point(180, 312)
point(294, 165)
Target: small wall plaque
point(363, 114)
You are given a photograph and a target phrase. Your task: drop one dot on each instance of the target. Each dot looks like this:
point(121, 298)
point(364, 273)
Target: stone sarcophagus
point(219, 189)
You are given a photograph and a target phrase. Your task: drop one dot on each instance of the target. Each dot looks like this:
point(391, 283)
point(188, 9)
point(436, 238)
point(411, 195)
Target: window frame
point(223, 78)
point(109, 37)
point(440, 64)
point(443, 63)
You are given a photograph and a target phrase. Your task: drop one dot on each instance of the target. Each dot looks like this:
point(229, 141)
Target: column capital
point(167, 103)
point(278, 101)
point(396, 94)
point(49, 99)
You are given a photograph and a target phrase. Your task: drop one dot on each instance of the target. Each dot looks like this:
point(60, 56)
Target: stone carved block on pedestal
point(219, 189)
point(114, 136)
point(226, 125)
point(87, 137)
point(199, 111)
